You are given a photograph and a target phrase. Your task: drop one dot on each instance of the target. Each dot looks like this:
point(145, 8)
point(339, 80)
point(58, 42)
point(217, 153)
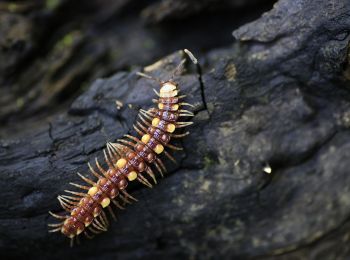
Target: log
point(263, 175)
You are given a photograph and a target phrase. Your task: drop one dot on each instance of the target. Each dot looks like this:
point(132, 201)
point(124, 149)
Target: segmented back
point(129, 159)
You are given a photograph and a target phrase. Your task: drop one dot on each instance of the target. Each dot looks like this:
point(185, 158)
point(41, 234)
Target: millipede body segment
point(128, 159)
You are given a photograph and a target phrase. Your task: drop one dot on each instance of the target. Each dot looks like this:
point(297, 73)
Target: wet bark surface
point(274, 97)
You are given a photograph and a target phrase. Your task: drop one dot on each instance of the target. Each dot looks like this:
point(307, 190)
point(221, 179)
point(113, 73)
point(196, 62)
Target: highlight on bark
point(128, 159)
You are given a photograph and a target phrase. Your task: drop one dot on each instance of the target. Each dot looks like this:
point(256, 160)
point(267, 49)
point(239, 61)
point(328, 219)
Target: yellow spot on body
point(71, 236)
point(132, 175)
point(159, 148)
point(105, 202)
point(73, 212)
point(155, 121)
point(170, 128)
point(121, 163)
point(175, 107)
point(161, 106)
point(87, 223)
point(92, 191)
point(145, 138)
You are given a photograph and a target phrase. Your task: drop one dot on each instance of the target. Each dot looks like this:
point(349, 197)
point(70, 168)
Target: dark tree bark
point(276, 98)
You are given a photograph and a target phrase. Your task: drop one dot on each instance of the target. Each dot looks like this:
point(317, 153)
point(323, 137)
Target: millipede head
point(168, 90)
point(169, 87)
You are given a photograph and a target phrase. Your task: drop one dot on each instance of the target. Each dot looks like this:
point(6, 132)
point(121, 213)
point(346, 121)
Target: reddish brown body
point(129, 159)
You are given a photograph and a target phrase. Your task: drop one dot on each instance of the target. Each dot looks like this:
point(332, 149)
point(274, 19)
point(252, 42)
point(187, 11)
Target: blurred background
point(52, 50)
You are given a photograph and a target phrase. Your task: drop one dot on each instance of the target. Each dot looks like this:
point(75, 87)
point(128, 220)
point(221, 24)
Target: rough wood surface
point(278, 96)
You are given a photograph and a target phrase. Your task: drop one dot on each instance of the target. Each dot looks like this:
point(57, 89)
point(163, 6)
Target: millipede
point(128, 159)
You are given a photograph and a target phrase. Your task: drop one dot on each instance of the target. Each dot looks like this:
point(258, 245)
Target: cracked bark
point(279, 95)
